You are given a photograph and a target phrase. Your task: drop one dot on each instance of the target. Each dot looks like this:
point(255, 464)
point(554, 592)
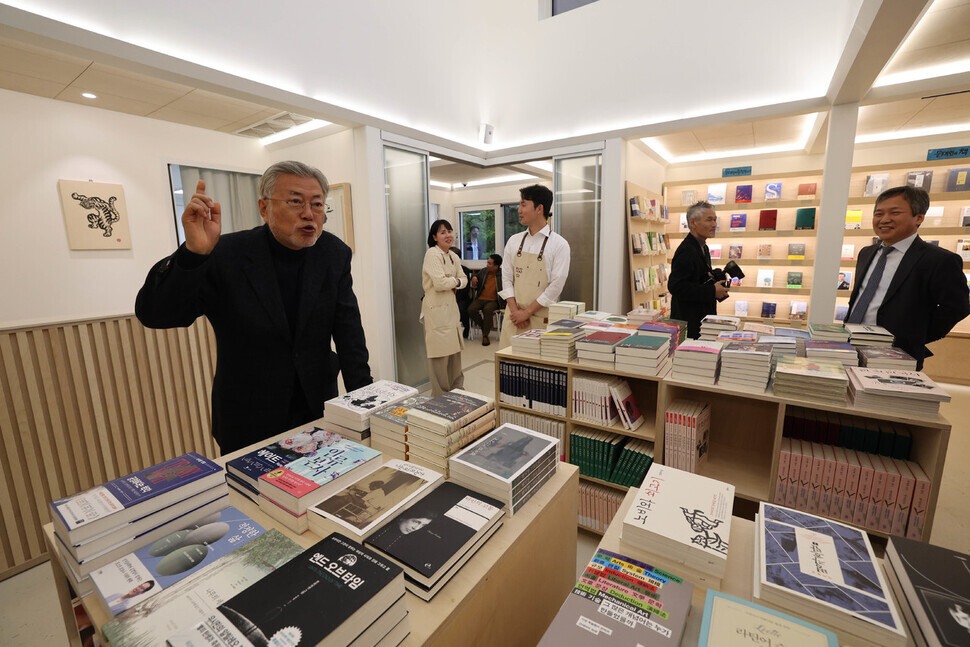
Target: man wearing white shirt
point(915, 290)
point(534, 267)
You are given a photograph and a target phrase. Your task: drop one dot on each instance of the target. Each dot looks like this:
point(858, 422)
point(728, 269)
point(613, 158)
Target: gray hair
point(696, 210)
point(267, 183)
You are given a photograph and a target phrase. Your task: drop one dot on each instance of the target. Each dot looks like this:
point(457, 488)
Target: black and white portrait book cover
point(506, 452)
point(95, 215)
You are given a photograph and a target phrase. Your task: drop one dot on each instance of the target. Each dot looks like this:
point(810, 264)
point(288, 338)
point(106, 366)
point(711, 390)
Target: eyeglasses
point(296, 204)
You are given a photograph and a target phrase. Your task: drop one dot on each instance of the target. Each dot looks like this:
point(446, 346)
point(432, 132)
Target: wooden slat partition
point(84, 402)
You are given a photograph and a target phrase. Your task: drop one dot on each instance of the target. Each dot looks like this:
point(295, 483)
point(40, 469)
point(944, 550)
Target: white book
point(357, 405)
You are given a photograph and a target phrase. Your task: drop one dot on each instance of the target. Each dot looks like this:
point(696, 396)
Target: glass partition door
point(576, 216)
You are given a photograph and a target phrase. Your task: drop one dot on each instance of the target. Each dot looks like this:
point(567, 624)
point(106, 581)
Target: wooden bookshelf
point(652, 295)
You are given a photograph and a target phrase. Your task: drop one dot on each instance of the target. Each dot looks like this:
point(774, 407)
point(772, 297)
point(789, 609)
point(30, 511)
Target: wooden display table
point(521, 575)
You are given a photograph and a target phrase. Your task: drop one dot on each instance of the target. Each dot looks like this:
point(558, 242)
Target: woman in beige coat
point(441, 276)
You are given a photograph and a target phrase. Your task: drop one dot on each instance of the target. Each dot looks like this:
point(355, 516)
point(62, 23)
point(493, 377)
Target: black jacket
point(692, 296)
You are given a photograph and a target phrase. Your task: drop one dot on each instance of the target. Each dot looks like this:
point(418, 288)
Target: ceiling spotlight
point(89, 95)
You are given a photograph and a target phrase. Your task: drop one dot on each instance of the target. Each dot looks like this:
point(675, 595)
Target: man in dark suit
point(693, 291)
point(275, 295)
point(915, 290)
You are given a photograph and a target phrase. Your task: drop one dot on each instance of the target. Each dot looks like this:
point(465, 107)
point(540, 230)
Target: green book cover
point(794, 279)
point(805, 218)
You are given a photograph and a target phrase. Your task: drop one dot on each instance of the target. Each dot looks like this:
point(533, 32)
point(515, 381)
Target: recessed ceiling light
point(309, 126)
point(89, 95)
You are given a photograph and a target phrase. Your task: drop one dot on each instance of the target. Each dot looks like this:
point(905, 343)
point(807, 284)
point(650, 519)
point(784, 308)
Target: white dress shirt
point(893, 260)
point(556, 257)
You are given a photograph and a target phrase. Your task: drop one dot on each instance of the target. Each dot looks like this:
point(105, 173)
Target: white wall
point(46, 140)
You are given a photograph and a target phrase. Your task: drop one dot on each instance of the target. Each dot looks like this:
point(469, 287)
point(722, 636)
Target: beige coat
point(442, 323)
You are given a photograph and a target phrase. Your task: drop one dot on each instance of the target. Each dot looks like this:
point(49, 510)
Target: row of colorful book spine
point(849, 432)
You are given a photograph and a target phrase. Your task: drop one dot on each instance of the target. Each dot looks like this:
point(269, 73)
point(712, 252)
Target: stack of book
point(565, 324)
point(681, 522)
point(527, 343)
point(187, 550)
point(911, 393)
point(653, 328)
point(726, 336)
point(827, 332)
point(746, 366)
point(433, 537)
point(542, 424)
point(509, 464)
point(680, 324)
point(806, 379)
point(824, 570)
point(365, 505)
point(620, 600)
point(713, 325)
point(879, 357)
point(242, 474)
point(641, 315)
point(389, 427)
point(439, 427)
point(687, 431)
point(932, 588)
point(184, 603)
point(95, 527)
point(349, 414)
point(593, 316)
point(362, 592)
point(560, 344)
point(780, 347)
point(866, 335)
point(839, 351)
point(285, 493)
point(726, 615)
point(762, 329)
point(697, 361)
point(566, 309)
point(647, 355)
point(596, 349)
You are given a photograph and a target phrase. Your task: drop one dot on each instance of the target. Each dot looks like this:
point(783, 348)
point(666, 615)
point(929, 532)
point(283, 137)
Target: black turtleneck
point(288, 264)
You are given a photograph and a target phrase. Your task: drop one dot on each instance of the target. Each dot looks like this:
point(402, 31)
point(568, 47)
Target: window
point(477, 232)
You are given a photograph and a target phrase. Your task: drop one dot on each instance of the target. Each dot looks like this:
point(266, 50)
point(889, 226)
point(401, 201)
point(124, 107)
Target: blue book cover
point(808, 560)
point(740, 623)
point(147, 571)
point(742, 193)
point(98, 509)
point(773, 191)
point(305, 475)
point(303, 443)
point(738, 221)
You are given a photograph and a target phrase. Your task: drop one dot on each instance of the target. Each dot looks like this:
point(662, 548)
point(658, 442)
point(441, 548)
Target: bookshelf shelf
point(609, 484)
point(592, 530)
point(743, 289)
point(755, 233)
point(646, 431)
point(541, 414)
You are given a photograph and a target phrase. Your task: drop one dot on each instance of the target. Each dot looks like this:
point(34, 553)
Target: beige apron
point(442, 322)
point(529, 281)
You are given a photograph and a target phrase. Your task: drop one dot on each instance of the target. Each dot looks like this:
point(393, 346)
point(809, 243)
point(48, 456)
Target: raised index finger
point(200, 187)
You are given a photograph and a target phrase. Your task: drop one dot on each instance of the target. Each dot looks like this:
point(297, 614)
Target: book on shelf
point(823, 569)
point(920, 179)
point(303, 482)
point(450, 411)
point(433, 537)
point(734, 622)
point(365, 505)
point(740, 308)
point(806, 190)
point(687, 427)
point(958, 179)
point(626, 405)
point(619, 600)
point(768, 309)
point(716, 193)
point(354, 584)
point(853, 219)
point(794, 279)
point(126, 500)
point(797, 310)
point(249, 467)
point(150, 622)
point(805, 218)
point(963, 248)
point(772, 191)
point(734, 252)
point(742, 193)
point(715, 250)
point(353, 409)
point(876, 183)
point(768, 220)
point(932, 587)
point(145, 572)
point(933, 217)
point(688, 197)
point(683, 226)
point(739, 221)
point(848, 252)
point(765, 278)
point(796, 251)
point(764, 251)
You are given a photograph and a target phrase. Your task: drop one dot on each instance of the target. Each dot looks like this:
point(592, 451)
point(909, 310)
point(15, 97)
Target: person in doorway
point(915, 290)
point(534, 267)
point(694, 293)
point(485, 298)
point(474, 250)
point(441, 278)
point(276, 297)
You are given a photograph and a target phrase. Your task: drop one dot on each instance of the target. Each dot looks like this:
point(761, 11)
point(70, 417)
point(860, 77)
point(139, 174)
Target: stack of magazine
point(433, 537)
point(713, 325)
point(882, 357)
point(439, 427)
point(349, 414)
point(864, 335)
point(509, 464)
point(895, 391)
point(806, 379)
point(559, 344)
point(389, 427)
point(746, 366)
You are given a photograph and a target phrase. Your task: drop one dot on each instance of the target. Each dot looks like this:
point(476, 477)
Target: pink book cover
point(877, 498)
point(853, 472)
point(805, 476)
point(828, 481)
point(904, 499)
point(794, 465)
point(892, 494)
point(921, 501)
point(815, 489)
point(781, 483)
point(864, 496)
point(838, 487)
